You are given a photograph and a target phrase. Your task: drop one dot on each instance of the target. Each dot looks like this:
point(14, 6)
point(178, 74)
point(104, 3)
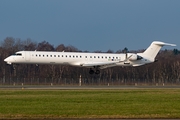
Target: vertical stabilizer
point(154, 48)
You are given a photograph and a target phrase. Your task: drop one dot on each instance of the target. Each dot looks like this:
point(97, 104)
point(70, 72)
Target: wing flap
point(101, 65)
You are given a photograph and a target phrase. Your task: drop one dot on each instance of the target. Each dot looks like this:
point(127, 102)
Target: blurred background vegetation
point(165, 71)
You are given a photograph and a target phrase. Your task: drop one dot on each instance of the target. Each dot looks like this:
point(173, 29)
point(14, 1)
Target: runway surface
point(108, 119)
point(90, 119)
point(39, 87)
point(99, 119)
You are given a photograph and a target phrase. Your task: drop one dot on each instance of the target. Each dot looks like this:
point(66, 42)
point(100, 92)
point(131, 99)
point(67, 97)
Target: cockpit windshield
point(18, 54)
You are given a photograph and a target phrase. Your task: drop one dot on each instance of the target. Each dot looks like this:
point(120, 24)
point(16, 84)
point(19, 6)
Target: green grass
point(32, 104)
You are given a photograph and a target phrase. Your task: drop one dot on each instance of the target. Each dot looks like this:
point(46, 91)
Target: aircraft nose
point(7, 60)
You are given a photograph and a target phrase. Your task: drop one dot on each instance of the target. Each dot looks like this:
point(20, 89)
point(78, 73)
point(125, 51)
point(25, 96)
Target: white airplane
point(94, 61)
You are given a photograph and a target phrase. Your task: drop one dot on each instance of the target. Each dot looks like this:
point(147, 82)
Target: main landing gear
point(91, 71)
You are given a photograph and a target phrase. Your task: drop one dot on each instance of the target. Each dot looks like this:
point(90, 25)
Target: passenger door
point(27, 56)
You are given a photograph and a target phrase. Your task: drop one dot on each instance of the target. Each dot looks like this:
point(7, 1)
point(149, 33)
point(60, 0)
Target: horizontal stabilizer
point(162, 43)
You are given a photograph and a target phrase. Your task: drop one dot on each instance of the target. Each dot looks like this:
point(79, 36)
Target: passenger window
point(51, 55)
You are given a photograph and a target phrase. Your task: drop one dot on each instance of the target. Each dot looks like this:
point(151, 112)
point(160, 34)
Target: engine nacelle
point(135, 57)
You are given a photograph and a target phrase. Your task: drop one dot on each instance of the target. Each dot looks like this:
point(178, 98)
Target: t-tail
point(151, 52)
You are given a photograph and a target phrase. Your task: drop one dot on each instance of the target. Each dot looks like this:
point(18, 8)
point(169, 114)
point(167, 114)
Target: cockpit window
point(18, 54)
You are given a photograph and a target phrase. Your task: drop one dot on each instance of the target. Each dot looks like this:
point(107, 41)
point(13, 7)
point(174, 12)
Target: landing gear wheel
point(97, 72)
point(91, 71)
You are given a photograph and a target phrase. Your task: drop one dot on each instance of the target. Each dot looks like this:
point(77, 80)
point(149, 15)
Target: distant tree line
point(165, 71)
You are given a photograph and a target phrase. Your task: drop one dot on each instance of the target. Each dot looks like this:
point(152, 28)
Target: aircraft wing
point(101, 65)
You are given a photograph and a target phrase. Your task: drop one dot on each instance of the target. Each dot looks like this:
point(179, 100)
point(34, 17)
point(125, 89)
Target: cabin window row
point(58, 56)
point(76, 56)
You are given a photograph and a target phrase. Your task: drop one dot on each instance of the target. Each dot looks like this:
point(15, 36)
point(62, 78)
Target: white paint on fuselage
point(92, 60)
point(69, 58)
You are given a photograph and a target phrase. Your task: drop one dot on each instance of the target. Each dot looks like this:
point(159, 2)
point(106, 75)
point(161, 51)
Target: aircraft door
point(27, 56)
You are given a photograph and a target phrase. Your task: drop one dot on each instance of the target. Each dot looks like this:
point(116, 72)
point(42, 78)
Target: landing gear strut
point(91, 71)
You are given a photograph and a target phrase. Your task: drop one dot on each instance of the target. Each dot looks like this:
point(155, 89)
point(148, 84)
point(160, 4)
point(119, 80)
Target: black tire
point(97, 72)
point(91, 72)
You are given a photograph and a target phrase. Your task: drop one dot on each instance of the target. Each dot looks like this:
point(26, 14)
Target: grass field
point(137, 103)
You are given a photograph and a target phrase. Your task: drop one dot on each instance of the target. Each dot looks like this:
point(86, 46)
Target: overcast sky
point(92, 24)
